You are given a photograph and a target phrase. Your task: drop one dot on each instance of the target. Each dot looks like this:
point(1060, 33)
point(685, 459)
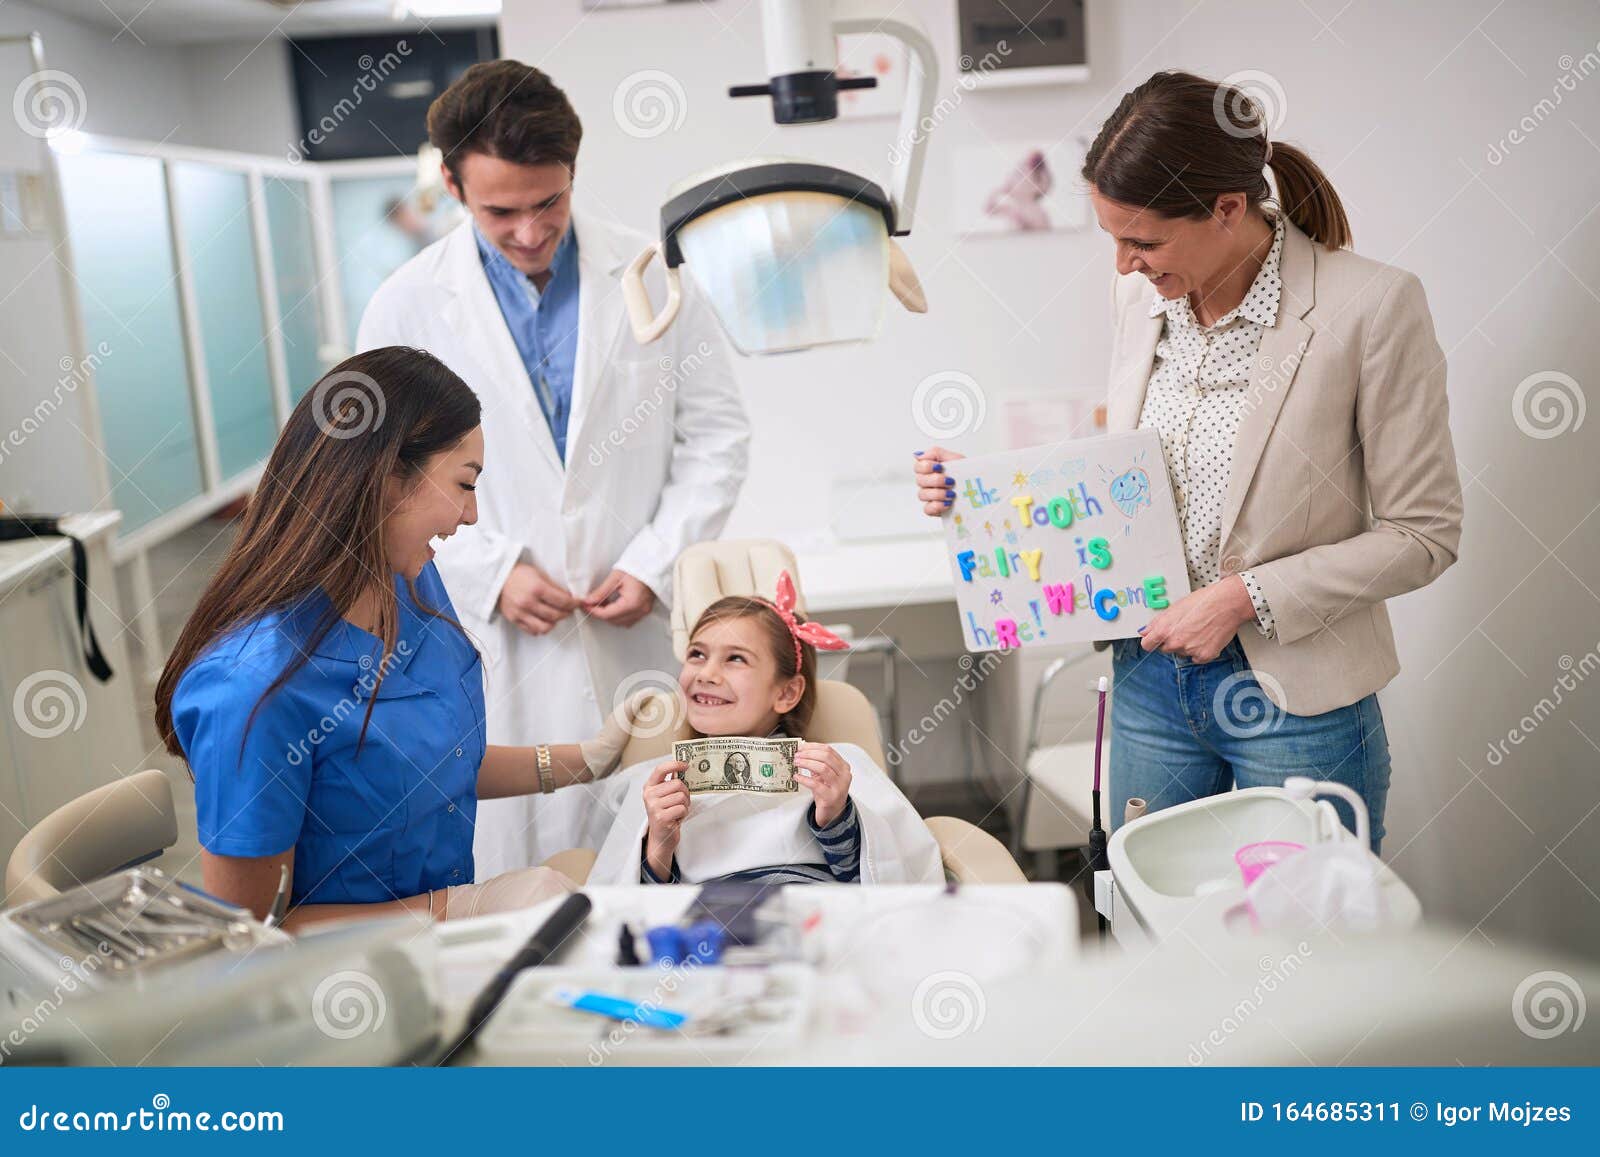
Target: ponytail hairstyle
point(1179, 141)
point(782, 645)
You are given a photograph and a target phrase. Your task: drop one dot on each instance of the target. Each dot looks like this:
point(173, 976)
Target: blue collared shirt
point(390, 819)
point(543, 324)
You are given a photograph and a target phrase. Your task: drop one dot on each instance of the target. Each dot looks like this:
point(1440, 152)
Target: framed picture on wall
point(1021, 187)
point(876, 55)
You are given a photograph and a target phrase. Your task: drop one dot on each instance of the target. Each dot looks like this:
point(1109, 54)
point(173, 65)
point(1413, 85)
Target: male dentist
point(604, 459)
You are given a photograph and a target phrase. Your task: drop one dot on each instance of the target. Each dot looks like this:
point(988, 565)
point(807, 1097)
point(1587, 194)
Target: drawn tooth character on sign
point(1130, 490)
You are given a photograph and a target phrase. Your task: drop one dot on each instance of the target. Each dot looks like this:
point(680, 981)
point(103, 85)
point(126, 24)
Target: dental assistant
point(328, 703)
point(1299, 393)
point(606, 458)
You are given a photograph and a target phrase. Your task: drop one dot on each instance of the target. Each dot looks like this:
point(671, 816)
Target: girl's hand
point(666, 803)
point(935, 489)
point(824, 771)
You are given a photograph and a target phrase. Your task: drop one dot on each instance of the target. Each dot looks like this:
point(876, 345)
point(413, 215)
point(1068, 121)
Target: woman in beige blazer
point(1300, 397)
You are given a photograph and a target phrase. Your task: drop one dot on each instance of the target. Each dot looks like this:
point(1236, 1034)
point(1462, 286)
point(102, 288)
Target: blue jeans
point(1182, 730)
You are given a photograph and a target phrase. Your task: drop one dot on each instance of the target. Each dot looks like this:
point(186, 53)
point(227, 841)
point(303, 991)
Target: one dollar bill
point(738, 763)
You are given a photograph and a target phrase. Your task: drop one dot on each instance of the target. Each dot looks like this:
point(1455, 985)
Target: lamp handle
point(648, 325)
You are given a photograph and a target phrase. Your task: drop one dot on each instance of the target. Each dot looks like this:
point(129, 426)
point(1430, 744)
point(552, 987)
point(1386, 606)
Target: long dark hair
point(781, 643)
point(1179, 141)
point(315, 522)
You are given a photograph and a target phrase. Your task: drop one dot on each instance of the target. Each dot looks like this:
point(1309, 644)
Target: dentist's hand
point(666, 802)
point(507, 892)
point(533, 603)
point(935, 489)
point(620, 599)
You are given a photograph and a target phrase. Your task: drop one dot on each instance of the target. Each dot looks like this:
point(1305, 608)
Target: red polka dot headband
point(814, 633)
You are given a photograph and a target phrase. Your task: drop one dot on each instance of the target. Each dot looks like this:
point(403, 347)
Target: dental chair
point(103, 831)
point(712, 570)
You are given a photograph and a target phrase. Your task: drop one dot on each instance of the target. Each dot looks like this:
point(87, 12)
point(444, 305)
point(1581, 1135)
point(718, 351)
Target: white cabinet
point(65, 732)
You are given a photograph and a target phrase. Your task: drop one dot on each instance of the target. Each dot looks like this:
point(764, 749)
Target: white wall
point(224, 94)
point(1401, 105)
point(241, 96)
point(131, 89)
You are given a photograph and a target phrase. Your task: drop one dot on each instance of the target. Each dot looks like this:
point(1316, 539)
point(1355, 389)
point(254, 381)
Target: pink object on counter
point(1253, 859)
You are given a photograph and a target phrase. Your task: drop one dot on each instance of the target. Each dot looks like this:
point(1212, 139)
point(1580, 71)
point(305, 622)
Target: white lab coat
point(657, 446)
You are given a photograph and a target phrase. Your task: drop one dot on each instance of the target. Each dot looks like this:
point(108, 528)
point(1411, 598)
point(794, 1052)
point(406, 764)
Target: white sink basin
point(1176, 866)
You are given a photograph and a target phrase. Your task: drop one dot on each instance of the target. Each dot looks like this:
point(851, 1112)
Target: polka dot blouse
point(1196, 399)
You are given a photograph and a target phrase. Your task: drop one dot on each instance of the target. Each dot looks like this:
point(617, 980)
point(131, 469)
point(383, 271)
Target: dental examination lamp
point(794, 253)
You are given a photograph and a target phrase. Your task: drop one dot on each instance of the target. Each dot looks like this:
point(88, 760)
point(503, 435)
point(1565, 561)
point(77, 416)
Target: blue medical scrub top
point(391, 820)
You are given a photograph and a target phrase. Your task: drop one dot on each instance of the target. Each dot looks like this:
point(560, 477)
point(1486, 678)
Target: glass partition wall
point(223, 286)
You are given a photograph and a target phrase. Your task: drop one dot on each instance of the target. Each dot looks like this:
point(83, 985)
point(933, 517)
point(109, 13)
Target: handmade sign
point(1064, 543)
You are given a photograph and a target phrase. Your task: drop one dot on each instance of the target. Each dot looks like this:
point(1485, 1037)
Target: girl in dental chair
point(750, 670)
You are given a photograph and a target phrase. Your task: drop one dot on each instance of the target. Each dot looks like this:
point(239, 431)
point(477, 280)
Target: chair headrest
point(709, 571)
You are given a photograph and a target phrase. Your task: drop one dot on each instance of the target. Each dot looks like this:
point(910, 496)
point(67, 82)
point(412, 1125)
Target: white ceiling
point(170, 21)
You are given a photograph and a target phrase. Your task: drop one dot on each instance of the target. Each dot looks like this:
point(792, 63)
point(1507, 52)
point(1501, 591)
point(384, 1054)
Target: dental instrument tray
point(678, 1015)
point(125, 927)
